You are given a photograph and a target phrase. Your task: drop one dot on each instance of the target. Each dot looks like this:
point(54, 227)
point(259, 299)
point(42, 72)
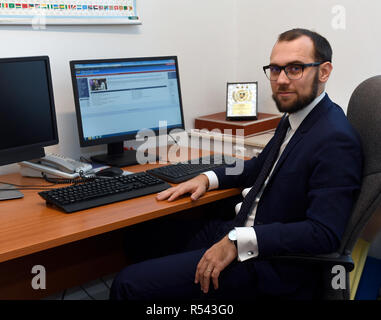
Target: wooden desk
point(73, 248)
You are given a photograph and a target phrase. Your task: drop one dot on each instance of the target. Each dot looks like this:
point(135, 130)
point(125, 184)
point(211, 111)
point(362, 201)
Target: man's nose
point(283, 78)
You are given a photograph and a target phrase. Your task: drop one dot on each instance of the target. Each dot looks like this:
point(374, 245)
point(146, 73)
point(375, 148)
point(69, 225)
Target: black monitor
point(116, 98)
point(27, 113)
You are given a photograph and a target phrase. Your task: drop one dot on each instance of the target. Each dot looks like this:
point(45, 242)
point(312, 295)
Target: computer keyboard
point(101, 191)
point(183, 171)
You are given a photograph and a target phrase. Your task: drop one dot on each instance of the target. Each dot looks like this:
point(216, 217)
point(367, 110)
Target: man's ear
point(325, 71)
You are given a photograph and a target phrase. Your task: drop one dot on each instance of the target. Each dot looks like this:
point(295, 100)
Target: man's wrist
point(212, 180)
point(206, 180)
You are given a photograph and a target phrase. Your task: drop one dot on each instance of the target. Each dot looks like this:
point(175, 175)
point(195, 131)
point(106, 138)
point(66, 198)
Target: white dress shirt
point(247, 244)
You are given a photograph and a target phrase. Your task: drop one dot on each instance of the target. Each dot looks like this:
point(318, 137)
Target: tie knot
point(286, 123)
point(283, 127)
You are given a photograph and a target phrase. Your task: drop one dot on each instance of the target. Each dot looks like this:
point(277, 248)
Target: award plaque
point(241, 101)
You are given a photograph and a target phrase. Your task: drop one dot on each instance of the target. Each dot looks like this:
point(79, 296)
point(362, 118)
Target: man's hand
point(214, 260)
point(196, 186)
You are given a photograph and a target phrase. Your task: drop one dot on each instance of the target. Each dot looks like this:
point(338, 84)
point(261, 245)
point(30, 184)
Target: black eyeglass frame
point(302, 65)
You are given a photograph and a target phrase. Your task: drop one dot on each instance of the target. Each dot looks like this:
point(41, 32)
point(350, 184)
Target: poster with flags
point(68, 12)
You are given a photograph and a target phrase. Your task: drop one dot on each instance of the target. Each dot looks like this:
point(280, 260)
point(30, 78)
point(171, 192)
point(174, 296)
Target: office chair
point(364, 113)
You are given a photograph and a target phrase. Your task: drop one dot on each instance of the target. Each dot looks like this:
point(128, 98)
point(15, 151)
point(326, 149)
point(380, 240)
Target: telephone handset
point(60, 163)
point(55, 165)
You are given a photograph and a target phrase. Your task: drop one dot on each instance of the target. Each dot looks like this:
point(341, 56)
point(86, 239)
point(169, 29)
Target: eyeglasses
point(293, 71)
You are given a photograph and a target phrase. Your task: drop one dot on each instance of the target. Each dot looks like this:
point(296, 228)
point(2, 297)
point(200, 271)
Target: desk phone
point(55, 165)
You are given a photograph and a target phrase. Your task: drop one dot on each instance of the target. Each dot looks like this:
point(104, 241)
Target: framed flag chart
point(69, 12)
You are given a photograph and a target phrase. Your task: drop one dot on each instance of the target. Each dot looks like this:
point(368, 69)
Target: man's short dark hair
point(323, 50)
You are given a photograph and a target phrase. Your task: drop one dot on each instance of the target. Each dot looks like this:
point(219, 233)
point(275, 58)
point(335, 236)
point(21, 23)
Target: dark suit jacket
point(306, 205)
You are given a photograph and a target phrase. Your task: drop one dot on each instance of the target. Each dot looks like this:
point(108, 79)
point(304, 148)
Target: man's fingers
point(165, 194)
point(197, 194)
point(170, 194)
point(201, 266)
point(210, 273)
point(175, 195)
point(215, 275)
point(206, 280)
point(203, 272)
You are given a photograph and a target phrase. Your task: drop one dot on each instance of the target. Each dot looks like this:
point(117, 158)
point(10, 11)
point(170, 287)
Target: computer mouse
point(110, 172)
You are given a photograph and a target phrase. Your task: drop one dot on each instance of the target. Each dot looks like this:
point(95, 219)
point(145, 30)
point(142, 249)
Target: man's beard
point(301, 102)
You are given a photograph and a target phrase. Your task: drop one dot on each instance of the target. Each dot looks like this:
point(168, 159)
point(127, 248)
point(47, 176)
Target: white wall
point(200, 38)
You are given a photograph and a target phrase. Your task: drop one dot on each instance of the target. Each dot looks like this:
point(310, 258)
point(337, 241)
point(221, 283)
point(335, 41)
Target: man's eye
point(294, 69)
point(274, 69)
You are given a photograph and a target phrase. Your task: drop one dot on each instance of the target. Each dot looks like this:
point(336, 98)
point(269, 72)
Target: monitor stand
point(8, 194)
point(116, 156)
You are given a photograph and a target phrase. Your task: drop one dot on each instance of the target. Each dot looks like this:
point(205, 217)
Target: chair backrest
point(364, 113)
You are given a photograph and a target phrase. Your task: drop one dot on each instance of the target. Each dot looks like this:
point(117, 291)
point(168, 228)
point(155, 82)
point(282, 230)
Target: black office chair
point(364, 113)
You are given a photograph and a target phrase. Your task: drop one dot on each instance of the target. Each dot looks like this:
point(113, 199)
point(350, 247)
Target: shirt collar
point(297, 118)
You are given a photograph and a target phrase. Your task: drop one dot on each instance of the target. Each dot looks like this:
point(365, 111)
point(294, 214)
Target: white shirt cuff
point(247, 245)
point(213, 180)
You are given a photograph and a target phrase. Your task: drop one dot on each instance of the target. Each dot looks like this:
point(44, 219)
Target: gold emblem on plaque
point(242, 94)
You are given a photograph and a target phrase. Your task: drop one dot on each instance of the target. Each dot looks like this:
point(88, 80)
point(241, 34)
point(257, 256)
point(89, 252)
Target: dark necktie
point(248, 202)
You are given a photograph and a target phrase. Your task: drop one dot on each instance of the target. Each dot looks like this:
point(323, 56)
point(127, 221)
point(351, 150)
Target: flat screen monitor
point(116, 98)
point(27, 113)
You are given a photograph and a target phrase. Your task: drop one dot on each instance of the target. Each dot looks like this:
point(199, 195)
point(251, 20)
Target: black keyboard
point(183, 171)
point(101, 191)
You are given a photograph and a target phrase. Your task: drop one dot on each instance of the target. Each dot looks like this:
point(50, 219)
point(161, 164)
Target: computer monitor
point(116, 98)
point(27, 113)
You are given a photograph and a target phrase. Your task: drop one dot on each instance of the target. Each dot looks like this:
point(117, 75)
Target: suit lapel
point(304, 127)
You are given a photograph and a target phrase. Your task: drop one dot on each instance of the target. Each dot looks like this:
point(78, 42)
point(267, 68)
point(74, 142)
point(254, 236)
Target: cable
point(90, 296)
point(27, 186)
point(54, 181)
point(81, 179)
point(83, 159)
point(173, 138)
point(105, 283)
point(16, 189)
